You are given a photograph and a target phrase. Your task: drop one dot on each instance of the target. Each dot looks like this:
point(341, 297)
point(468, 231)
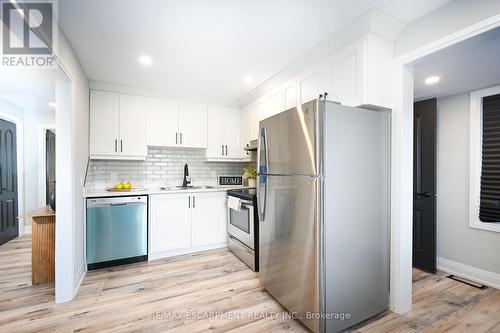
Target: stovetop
point(245, 193)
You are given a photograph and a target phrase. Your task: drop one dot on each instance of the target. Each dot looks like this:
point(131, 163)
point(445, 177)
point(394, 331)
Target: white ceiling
point(470, 65)
point(205, 48)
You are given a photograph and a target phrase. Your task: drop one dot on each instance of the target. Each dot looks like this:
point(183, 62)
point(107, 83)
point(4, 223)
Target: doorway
point(424, 185)
point(9, 225)
point(50, 164)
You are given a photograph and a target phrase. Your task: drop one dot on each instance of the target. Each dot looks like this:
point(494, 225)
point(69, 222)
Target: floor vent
point(467, 281)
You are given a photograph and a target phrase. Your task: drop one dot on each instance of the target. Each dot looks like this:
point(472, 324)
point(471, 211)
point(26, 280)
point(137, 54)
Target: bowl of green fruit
point(121, 187)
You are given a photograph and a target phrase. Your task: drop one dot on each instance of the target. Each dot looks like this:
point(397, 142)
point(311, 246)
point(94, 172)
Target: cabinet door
point(217, 126)
point(290, 94)
point(245, 123)
point(272, 104)
point(132, 125)
point(223, 133)
point(104, 118)
point(310, 87)
point(193, 125)
point(345, 79)
point(162, 119)
point(209, 218)
point(170, 224)
point(232, 134)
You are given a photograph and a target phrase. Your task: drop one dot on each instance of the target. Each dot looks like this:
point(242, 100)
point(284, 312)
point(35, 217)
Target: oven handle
point(245, 203)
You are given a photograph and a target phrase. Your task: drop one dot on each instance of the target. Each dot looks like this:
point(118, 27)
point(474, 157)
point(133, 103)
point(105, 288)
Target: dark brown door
point(424, 185)
point(8, 182)
point(50, 163)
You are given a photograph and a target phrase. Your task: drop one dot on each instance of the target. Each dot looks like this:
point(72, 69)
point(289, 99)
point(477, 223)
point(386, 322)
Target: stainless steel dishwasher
point(117, 231)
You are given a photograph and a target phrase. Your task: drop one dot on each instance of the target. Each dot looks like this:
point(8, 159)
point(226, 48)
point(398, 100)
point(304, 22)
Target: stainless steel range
point(243, 226)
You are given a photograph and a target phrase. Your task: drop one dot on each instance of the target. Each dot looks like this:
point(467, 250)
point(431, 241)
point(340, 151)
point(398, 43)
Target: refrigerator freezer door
point(288, 253)
point(288, 141)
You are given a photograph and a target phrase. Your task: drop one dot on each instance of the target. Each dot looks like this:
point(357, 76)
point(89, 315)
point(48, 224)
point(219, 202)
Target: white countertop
point(155, 190)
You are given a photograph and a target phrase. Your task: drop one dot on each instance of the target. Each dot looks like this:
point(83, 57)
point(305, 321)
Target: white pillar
point(401, 189)
point(65, 285)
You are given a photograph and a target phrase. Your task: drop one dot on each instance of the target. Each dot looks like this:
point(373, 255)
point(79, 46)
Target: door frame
point(402, 160)
point(5, 115)
point(42, 129)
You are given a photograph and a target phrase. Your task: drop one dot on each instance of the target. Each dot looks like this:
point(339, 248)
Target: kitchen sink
point(178, 188)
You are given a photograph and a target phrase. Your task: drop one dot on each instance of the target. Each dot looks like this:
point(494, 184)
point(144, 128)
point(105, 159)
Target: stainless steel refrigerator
point(323, 201)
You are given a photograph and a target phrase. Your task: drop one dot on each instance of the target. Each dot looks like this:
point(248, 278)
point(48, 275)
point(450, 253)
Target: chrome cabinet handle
point(194, 201)
point(226, 150)
point(189, 201)
point(222, 152)
point(116, 143)
point(181, 138)
point(121, 146)
point(176, 137)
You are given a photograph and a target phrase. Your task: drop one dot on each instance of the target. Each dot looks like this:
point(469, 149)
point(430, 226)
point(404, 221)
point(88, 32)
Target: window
point(484, 200)
point(489, 207)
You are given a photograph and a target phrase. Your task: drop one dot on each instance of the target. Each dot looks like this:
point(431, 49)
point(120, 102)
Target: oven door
point(240, 223)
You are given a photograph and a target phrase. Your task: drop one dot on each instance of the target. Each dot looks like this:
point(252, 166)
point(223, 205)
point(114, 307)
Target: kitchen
point(216, 185)
point(174, 216)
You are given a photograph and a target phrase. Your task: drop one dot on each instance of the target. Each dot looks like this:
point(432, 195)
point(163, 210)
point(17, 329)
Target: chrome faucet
point(187, 179)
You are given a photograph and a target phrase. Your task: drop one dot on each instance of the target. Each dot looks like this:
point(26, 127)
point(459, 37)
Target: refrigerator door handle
point(263, 169)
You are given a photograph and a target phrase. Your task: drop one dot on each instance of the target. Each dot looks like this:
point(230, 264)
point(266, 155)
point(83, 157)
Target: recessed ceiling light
point(145, 60)
point(248, 79)
point(432, 79)
point(52, 104)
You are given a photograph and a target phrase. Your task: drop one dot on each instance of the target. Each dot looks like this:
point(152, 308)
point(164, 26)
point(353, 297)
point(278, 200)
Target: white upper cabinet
point(175, 124)
point(246, 126)
point(290, 95)
point(117, 126)
point(133, 125)
point(193, 125)
point(104, 123)
point(273, 104)
point(223, 134)
point(358, 72)
point(162, 122)
point(354, 76)
point(310, 86)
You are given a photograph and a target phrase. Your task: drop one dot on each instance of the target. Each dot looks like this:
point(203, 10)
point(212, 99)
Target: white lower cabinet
point(186, 222)
point(170, 222)
point(208, 219)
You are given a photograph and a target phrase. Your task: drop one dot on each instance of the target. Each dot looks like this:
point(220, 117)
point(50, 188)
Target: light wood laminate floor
point(140, 297)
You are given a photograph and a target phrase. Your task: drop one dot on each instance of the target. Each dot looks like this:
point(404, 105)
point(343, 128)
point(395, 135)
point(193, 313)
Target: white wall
point(71, 234)
point(32, 120)
point(456, 241)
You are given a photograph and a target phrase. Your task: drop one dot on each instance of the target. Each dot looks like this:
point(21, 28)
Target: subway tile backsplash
point(162, 167)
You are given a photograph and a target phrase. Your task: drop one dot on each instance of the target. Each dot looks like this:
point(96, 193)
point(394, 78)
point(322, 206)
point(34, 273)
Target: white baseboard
point(79, 277)
point(27, 229)
point(475, 274)
point(173, 253)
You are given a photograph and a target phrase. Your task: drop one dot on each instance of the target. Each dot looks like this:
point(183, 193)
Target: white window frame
point(475, 159)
